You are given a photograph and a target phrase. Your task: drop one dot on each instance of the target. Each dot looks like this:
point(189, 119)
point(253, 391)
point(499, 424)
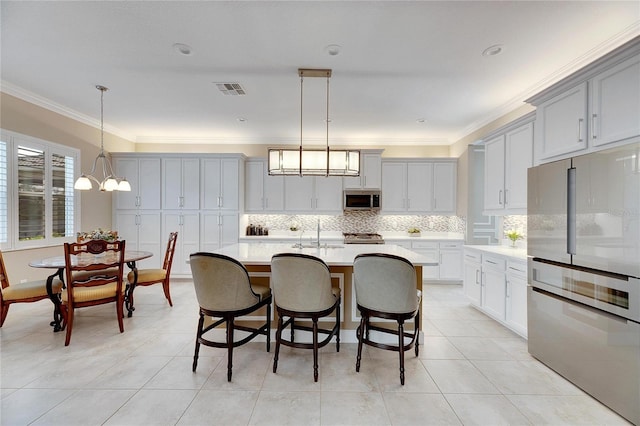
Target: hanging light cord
point(301, 91)
point(327, 124)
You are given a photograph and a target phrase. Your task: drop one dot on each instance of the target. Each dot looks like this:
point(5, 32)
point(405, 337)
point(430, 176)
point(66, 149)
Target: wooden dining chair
point(145, 277)
point(32, 291)
point(93, 274)
point(385, 287)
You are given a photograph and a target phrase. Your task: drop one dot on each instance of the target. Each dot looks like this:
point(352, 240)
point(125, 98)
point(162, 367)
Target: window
point(39, 176)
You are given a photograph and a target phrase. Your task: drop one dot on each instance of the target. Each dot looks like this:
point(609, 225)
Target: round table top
point(58, 261)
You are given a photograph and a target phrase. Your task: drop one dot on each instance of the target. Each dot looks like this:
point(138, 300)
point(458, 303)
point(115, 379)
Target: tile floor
point(470, 371)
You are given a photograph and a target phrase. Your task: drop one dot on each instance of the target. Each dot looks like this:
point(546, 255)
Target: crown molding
point(48, 104)
point(277, 141)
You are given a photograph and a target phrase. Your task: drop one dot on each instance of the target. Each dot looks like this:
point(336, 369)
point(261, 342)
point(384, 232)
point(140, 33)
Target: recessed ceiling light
point(333, 49)
point(183, 49)
point(242, 119)
point(420, 121)
point(494, 50)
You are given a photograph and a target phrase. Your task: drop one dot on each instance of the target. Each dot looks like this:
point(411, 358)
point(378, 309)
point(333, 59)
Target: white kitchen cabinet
point(313, 194)
point(444, 187)
point(615, 103)
point(507, 158)
point(187, 224)
point(222, 183)
point(472, 283)
point(591, 109)
point(516, 296)
point(493, 286)
point(370, 172)
point(218, 229)
point(181, 183)
point(263, 193)
point(143, 173)
point(561, 123)
point(410, 186)
point(142, 231)
point(450, 256)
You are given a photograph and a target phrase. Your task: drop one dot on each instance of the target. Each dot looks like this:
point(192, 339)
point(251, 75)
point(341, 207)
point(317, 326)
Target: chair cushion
point(86, 294)
point(261, 290)
point(148, 275)
point(30, 289)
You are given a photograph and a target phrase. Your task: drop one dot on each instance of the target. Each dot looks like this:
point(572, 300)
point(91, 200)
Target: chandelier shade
point(313, 162)
point(109, 181)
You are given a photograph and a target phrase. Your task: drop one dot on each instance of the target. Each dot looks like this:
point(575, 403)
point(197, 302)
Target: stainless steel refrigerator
point(583, 301)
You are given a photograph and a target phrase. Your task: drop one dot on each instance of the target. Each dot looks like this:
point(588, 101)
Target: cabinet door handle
point(580, 121)
point(137, 200)
point(220, 201)
point(593, 126)
point(507, 289)
point(491, 262)
point(477, 273)
point(137, 220)
point(500, 197)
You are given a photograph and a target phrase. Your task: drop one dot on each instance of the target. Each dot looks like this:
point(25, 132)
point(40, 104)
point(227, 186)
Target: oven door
point(616, 294)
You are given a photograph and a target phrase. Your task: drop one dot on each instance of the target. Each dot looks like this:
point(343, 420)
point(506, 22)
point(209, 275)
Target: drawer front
point(424, 245)
point(493, 262)
point(517, 268)
point(472, 256)
point(450, 245)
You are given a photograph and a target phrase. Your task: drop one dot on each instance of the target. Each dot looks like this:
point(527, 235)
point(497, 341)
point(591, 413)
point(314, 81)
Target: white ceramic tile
point(286, 408)
point(26, 405)
point(250, 366)
point(225, 408)
point(565, 410)
point(480, 348)
point(153, 407)
point(412, 409)
point(458, 376)
point(130, 373)
point(353, 408)
point(475, 409)
point(175, 374)
point(86, 407)
point(436, 347)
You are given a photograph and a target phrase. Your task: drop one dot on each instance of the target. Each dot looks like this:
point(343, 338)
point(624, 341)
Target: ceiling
point(407, 73)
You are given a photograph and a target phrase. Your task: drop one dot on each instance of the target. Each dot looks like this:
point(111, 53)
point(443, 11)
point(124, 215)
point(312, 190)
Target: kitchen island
point(256, 257)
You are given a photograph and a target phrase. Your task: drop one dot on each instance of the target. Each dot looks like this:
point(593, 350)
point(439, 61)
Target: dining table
point(58, 263)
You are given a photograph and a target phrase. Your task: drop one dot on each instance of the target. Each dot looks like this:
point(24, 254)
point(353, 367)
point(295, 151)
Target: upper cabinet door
point(419, 187)
point(494, 174)
point(519, 157)
point(561, 123)
point(298, 194)
point(394, 183)
point(370, 173)
point(254, 186)
point(144, 176)
point(180, 183)
point(328, 194)
point(615, 103)
point(444, 187)
point(220, 183)
point(211, 184)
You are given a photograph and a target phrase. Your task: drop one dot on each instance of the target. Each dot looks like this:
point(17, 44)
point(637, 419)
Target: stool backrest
point(221, 282)
point(385, 283)
point(301, 282)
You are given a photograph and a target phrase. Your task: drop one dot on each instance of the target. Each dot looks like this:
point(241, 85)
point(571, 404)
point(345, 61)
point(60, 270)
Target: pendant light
point(313, 162)
point(109, 181)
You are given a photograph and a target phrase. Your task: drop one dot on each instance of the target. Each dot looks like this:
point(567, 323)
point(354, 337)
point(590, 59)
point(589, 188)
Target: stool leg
point(230, 327)
point(278, 338)
point(315, 349)
point(198, 335)
point(359, 336)
point(401, 350)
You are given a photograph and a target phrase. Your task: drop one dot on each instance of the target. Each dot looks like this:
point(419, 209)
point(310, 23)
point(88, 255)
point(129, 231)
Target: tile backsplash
point(365, 221)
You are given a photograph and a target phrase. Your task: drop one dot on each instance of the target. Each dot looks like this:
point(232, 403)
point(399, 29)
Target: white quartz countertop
point(337, 236)
point(332, 255)
point(508, 251)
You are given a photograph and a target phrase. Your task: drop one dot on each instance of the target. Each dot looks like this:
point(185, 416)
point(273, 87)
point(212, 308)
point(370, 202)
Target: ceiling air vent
point(233, 89)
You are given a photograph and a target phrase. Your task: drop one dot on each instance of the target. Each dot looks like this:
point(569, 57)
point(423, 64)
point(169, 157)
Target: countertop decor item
point(514, 236)
point(414, 232)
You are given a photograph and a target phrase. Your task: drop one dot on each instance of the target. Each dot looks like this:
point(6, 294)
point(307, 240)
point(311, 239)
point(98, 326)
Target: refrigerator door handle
point(571, 210)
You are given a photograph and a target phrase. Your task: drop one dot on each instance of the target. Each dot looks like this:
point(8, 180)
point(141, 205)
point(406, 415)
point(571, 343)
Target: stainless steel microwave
point(361, 199)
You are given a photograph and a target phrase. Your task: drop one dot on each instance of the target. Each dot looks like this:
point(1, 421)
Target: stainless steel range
point(362, 238)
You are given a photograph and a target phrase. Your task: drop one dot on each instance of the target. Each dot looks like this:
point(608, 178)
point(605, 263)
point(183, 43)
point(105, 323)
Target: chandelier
point(109, 181)
point(313, 162)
